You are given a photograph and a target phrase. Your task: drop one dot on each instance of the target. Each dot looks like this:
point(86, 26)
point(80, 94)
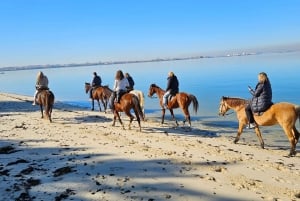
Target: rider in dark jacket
point(96, 82)
point(262, 98)
point(172, 88)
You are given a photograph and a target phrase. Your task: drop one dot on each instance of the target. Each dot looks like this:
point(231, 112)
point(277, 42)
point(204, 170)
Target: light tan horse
point(182, 100)
point(284, 114)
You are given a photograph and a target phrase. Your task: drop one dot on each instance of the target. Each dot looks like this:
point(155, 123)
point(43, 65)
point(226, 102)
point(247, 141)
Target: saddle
point(258, 113)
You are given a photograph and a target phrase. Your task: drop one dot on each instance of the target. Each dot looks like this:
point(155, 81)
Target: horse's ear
point(87, 83)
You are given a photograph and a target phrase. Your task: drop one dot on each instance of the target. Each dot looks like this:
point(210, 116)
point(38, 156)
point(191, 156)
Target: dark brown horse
point(284, 114)
point(101, 93)
point(127, 102)
point(182, 100)
point(45, 98)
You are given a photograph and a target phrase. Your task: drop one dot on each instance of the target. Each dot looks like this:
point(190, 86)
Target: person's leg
point(165, 98)
point(250, 117)
point(111, 100)
point(34, 97)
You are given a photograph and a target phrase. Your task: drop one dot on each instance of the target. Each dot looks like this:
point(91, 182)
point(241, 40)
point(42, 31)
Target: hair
point(119, 75)
point(39, 75)
point(95, 73)
point(171, 74)
point(127, 75)
point(263, 77)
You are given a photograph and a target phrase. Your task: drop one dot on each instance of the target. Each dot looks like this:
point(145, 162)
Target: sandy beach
point(80, 156)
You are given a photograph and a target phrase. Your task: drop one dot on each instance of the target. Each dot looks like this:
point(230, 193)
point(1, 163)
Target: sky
point(39, 32)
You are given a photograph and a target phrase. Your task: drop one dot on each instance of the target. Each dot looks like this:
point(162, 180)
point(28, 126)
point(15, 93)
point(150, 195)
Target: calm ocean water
point(208, 79)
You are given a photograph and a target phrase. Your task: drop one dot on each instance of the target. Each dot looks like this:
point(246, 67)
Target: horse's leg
point(92, 105)
point(138, 118)
point(187, 116)
point(99, 105)
point(296, 134)
point(130, 117)
point(117, 115)
point(41, 106)
point(163, 111)
point(293, 141)
point(173, 116)
point(239, 132)
point(258, 134)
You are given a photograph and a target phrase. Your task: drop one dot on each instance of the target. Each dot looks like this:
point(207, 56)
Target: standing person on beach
point(130, 81)
point(121, 85)
point(41, 84)
point(96, 82)
point(172, 88)
point(261, 100)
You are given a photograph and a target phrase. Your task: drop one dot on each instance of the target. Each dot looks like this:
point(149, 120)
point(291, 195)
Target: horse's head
point(152, 90)
point(223, 106)
point(87, 87)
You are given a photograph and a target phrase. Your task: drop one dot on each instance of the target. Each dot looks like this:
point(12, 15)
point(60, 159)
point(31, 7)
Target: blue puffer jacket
point(262, 97)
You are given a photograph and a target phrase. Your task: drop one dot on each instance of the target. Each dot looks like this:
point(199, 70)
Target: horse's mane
point(155, 86)
point(234, 101)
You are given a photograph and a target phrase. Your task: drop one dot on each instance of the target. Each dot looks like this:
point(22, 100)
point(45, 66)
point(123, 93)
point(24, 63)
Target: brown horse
point(101, 93)
point(284, 114)
point(127, 102)
point(181, 100)
point(45, 98)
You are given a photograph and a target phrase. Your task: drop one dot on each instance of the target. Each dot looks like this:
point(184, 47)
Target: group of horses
point(282, 113)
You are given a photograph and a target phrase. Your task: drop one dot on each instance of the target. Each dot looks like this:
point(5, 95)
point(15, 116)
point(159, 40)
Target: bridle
point(223, 106)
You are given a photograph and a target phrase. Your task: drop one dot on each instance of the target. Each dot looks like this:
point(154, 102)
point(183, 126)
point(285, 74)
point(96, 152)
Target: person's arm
point(258, 90)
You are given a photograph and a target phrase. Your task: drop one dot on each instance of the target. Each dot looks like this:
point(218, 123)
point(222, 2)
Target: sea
point(207, 78)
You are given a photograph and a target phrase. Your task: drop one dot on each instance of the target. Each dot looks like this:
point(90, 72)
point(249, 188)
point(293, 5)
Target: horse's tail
point(137, 107)
point(195, 102)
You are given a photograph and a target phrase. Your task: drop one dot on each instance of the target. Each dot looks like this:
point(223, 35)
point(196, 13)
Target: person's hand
point(250, 89)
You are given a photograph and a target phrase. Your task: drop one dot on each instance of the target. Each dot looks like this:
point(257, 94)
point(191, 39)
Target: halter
point(222, 105)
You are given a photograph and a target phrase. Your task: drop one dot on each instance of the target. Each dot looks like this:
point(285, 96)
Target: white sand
point(101, 162)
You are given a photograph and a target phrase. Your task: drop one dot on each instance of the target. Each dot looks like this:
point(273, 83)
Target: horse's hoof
point(235, 141)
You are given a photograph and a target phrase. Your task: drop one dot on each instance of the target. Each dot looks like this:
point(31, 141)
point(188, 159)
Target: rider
point(121, 86)
point(130, 80)
point(41, 84)
point(172, 88)
point(261, 100)
point(96, 82)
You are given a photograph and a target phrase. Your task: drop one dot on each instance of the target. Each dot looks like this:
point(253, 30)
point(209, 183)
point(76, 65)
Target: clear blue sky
point(77, 31)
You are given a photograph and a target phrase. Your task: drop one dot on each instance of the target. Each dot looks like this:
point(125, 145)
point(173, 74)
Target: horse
point(98, 94)
point(45, 98)
point(140, 95)
point(127, 102)
point(103, 93)
point(182, 100)
point(282, 113)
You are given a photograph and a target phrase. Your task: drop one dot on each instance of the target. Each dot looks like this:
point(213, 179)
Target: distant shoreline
point(48, 66)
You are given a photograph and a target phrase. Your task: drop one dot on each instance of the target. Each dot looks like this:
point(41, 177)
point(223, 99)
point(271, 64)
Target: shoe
point(33, 103)
point(251, 126)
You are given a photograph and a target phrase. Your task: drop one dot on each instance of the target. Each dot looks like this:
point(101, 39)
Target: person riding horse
point(172, 88)
point(41, 84)
point(96, 82)
point(121, 86)
point(262, 98)
point(130, 81)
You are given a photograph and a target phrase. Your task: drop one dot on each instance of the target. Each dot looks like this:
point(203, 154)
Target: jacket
point(262, 97)
point(173, 85)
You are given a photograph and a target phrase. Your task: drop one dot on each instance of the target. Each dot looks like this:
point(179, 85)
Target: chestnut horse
point(284, 114)
point(182, 100)
point(45, 98)
point(127, 102)
point(103, 93)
